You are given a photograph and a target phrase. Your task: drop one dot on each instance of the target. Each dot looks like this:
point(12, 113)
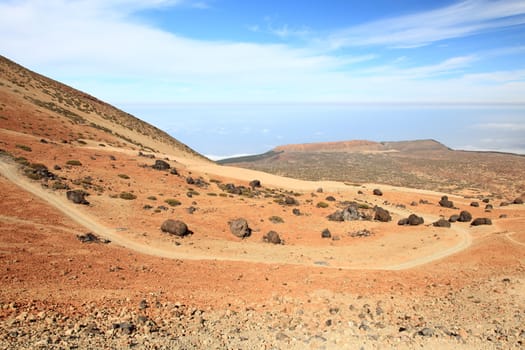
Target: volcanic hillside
point(113, 235)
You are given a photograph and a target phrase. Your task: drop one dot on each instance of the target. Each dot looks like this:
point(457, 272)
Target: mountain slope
point(31, 103)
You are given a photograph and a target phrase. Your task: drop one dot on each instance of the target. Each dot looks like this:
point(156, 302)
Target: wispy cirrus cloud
point(415, 30)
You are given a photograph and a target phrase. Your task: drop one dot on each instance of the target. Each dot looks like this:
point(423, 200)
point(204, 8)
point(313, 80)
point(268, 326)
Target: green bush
point(24, 147)
point(172, 202)
point(212, 194)
point(152, 198)
point(123, 176)
point(127, 196)
point(322, 205)
point(74, 162)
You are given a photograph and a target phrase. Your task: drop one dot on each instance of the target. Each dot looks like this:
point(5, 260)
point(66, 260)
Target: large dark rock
point(175, 227)
point(239, 228)
point(377, 192)
point(272, 237)
point(326, 233)
point(77, 196)
point(161, 165)
point(474, 204)
point(465, 216)
point(296, 212)
point(481, 221)
point(255, 184)
point(441, 223)
point(403, 222)
point(336, 216)
point(330, 198)
point(91, 238)
point(518, 200)
point(445, 203)
point(453, 218)
point(415, 220)
point(290, 201)
point(382, 215)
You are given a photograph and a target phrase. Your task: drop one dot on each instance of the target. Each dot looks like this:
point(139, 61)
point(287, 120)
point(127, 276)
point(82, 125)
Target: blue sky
point(186, 65)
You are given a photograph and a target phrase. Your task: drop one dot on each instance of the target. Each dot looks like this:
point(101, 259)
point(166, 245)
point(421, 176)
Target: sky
point(238, 77)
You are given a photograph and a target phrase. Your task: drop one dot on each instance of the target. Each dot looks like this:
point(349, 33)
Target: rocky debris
point(330, 199)
point(465, 216)
point(161, 165)
point(125, 327)
point(147, 207)
point(112, 157)
point(320, 190)
point(57, 167)
point(38, 172)
point(453, 218)
point(296, 212)
point(77, 197)
point(92, 238)
point(232, 189)
point(486, 200)
point(474, 204)
point(489, 207)
point(146, 155)
point(350, 213)
point(239, 228)
point(413, 204)
point(361, 233)
point(446, 203)
point(481, 221)
point(175, 227)
point(423, 201)
point(518, 200)
point(174, 171)
point(289, 201)
point(255, 184)
point(426, 332)
point(326, 233)
point(382, 215)
point(191, 210)
point(412, 220)
point(441, 223)
point(272, 237)
point(377, 192)
point(504, 204)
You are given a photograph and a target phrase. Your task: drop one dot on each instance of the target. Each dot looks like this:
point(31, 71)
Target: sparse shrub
point(24, 147)
point(152, 198)
point(215, 181)
point(127, 196)
point(276, 219)
point(123, 176)
point(172, 202)
point(22, 160)
point(212, 194)
point(82, 142)
point(322, 205)
point(74, 162)
point(223, 195)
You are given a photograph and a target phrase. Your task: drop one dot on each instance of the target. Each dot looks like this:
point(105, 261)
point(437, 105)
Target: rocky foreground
point(488, 315)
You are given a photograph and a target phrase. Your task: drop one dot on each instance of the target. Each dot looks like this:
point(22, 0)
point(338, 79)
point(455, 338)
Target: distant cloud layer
point(106, 48)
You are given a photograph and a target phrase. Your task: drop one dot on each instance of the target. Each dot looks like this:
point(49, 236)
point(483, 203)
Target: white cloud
point(457, 20)
point(518, 127)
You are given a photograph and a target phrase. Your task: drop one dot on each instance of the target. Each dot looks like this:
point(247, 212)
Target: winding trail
point(11, 173)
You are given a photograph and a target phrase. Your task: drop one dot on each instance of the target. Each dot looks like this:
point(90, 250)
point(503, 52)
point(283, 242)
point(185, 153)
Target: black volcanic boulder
point(161, 165)
point(377, 192)
point(382, 215)
point(441, 223)
point(326, 233)
point(465, 216)
point(296, 212)
point(474, 204)
point(272, 237)
point(445, 203)
point(481, 221)
point(77, 196)
point(290, 201)
point(175, 227)
point(336, 216)
point(255, 184)
point(403, 222)
point(239, 228)
point(453, 218)
point(518, 200)
point(489, 207)
point(415, 220)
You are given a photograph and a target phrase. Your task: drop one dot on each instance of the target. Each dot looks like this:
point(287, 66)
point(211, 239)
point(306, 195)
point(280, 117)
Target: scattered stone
point(453, 218)
point(143, 304)
point(518, 200)
point(112, 157)
point(174, 171)
point(441, 223)
point(415, 220)
point(145, 155)
point(474, 204)
point(175, 227)
point(403, 222)
point(361, 233)
point(161, 165)
point(326, 233)
point(486, 200)
point(330, 198)
point(255, 184)
point(465, 216)
point(290, 201)
point(481, 221)
point(504, 204)
point(92, 238)
point(423, 201)
point(57, 167)
point(77, 197)
point(125, 327)
point(489, 207)
point(426, 332)
point(413, 204)
point(377, 192)
point(272, 237)
point(319, 190)
point(445, 203)
point(503, 216)
point(296, 212)
point(239, 228)
point(382, 215)
point(191, 210)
